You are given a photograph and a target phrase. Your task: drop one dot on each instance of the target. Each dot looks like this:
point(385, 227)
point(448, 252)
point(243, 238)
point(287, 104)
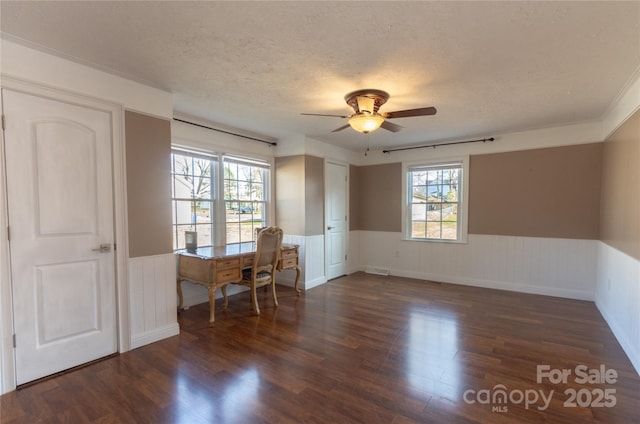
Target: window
point(197, 177)
point(435, 204)
point(245, 198)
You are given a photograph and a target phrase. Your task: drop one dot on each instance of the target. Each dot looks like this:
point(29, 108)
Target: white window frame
point(463, 195)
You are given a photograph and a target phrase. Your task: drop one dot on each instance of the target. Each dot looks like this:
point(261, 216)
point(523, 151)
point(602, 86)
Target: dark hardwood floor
point(359, 349)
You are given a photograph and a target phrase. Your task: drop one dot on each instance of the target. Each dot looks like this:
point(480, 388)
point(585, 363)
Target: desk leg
point(224, 293)
point(179, 288)
point(297, 279)
point(212, 304)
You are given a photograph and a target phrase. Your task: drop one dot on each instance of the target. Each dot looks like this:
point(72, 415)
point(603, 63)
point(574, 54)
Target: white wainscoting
point(311, 262)
point(548, 266)
point(153, 304)
point(618, 298)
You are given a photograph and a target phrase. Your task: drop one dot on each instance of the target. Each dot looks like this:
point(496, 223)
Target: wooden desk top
point(210, 252)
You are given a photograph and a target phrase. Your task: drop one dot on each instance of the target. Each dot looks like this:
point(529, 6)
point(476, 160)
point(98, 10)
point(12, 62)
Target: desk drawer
point(227, 263)
point(247, 261)
point(227, 275)
point(289, 262)
point(289, 253)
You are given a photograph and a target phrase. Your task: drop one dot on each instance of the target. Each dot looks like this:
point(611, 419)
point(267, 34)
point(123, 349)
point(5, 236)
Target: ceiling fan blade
point(341, 128)
point(322, 114)
point(423, 111)
point(390, 126)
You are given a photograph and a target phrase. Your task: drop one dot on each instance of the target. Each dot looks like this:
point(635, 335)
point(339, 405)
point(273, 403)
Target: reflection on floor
point(361, 348)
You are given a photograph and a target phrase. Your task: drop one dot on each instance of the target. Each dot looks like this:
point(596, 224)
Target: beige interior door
point(60, 205)
point(336, 219)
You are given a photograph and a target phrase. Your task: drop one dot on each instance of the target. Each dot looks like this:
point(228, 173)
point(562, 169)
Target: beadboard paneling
point(618, 297)
point(549, 266)
point(311, 261)
point(152, 283)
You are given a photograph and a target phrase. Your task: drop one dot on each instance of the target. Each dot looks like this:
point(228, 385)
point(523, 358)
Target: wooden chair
point(263, 271)
point(258, 229)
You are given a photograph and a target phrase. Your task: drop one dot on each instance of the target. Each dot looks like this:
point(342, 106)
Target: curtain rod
point(271, 143)
point(439, 144)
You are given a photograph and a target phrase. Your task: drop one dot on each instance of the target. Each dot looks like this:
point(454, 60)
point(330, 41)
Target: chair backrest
point(258, 229)
point(268, 248)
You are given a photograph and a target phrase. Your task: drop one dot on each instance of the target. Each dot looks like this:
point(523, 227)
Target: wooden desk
point(216, 267)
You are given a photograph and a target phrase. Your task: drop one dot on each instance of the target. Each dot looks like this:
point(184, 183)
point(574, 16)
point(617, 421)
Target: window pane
point(449, 230)
point(450, 212)
point(434, 192)
point(178, 237)
point(433, 230)
point(181, 164)
point(203, 212)
point(183, 212)
point(419, 178)
point(418, 229)
point(244, 192)
point(419, 212)
point(434, 212)
point(233, 232)
point(419, 194)
point(183, 187)
point(433, 177)
point(204, 234)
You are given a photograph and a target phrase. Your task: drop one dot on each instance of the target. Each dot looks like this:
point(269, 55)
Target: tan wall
point(148, 150)
point(553, 192)
point(620, 205)
point(314, 195)
point(290, 194)
point(354, 201)
point(375, 197)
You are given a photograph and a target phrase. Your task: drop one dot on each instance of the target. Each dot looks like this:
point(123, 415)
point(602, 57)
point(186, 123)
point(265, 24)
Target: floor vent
point(376, 270)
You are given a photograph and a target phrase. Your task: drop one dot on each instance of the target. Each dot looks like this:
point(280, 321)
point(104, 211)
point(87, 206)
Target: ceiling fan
point(366, 117)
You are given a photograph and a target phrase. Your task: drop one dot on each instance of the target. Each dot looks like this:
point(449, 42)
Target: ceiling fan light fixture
point(366, 122)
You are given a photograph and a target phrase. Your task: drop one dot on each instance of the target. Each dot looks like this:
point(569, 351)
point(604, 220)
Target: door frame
point(116, 111)
point(346, 165)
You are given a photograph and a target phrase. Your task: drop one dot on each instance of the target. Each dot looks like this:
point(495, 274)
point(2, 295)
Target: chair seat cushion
point(246, 274)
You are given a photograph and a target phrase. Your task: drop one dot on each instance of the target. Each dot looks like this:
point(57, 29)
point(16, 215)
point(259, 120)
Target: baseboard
point(306, 285)
point(498, 285)
point(155, 335)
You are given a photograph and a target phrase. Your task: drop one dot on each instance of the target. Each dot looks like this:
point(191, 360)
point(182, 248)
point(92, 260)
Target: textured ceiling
point(489, 67)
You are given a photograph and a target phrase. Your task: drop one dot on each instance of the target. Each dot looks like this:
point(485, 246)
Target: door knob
point(104, 248)
point(330, 228)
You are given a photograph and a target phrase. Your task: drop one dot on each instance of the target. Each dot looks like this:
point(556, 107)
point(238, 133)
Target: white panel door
point(336, 219)
point(60, 197)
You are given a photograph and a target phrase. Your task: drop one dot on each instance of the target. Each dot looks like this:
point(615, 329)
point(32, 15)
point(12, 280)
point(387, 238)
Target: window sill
point(463, 240)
